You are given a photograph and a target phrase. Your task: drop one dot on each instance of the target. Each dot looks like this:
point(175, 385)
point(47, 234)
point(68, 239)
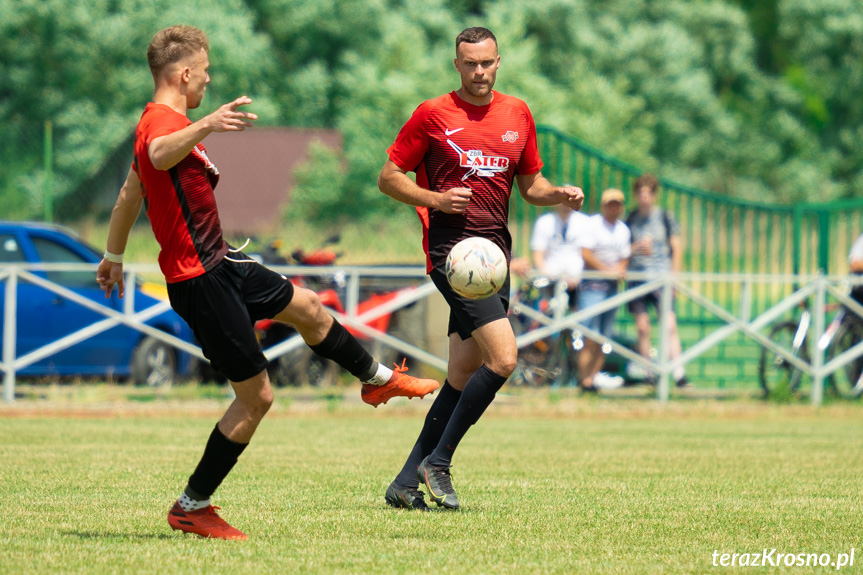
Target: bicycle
point(552, 360)
point(844, 332)
point(549, 360)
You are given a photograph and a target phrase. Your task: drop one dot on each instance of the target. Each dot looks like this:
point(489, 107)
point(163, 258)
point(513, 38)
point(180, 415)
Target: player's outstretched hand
point(573, 197)
point(108, 274)
point(229, 118)
point(455, 200)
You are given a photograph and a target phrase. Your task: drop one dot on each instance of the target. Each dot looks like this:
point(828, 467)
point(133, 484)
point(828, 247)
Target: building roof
point(256, 168)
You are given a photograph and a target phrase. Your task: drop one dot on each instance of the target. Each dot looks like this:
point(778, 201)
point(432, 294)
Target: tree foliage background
point(758, 100)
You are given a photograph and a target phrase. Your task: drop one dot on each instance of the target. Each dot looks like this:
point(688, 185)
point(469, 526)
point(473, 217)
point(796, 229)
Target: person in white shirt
point(606, 248)
point(555, 247)
point(855, 266)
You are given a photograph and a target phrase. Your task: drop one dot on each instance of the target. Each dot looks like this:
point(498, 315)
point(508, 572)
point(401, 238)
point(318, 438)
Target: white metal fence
point(817, 290)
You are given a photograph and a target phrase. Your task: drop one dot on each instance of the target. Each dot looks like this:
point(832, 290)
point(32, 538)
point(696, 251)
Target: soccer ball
point(476, 268)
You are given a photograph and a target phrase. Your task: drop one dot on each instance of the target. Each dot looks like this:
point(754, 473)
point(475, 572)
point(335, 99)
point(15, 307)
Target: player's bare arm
point(394, 182)
point(538, 191)
point(126, 210)
point(167, 151)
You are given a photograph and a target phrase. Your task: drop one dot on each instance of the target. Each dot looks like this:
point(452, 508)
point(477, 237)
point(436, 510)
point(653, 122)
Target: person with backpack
point(656, 248)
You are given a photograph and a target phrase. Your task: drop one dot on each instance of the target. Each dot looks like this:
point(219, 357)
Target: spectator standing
point(555, 246)
point(606, 248)
point(656, 248)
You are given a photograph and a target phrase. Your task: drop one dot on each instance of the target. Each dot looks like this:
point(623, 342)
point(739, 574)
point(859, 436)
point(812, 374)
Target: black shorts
point(643, 303)
point(222, 306)
point(466, 315)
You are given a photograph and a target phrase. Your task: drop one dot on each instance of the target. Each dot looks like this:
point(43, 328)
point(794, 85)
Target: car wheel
point(154, 363)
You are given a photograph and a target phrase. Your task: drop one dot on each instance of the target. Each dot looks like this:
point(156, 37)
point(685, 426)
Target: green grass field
point(549, 484)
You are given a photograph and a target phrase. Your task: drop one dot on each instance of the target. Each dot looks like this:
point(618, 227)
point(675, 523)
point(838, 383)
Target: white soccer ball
point(476, 268)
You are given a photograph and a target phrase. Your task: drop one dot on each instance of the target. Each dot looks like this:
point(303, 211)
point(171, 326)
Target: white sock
point(189, 504)
point(382, 375)
point(679, 373)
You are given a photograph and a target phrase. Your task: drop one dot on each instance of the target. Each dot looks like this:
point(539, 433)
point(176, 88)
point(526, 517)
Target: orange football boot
point(399, 385)
point(204, 522)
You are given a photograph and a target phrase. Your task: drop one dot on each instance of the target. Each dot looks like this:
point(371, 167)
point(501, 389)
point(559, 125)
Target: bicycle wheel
point(845, 379)
point(565, 359)
point(532, 367)
point(775, 372)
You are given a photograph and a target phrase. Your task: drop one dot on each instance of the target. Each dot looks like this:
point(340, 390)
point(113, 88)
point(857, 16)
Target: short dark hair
point(173, 44)
point(474, 36)
point(646, 181)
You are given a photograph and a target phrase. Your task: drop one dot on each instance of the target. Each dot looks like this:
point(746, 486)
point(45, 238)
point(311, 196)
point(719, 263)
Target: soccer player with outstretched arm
point(217, 289)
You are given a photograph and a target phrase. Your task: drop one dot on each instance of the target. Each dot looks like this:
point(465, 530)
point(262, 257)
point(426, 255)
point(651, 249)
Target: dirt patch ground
point(116, 401)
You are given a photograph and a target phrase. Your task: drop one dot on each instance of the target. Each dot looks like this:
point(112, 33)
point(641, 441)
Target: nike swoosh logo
point(451, 132)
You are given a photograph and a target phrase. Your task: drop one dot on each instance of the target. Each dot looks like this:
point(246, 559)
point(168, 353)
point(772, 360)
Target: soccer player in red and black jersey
point(466, 148)
point(218, 290)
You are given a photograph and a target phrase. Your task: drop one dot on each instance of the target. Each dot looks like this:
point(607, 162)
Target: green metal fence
point(719, 234)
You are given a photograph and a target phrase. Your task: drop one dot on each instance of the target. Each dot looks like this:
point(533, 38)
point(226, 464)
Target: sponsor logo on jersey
point(202, 153)
point(478, 163)
point(510, 137)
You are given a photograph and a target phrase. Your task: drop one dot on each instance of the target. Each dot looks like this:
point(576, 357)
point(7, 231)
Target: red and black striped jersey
point(450, 143)
point(179, 201)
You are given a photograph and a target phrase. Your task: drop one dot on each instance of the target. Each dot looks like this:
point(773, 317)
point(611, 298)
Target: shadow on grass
point(110, 535)
point(644, 393)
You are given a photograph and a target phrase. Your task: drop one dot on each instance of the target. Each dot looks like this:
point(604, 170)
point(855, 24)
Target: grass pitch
point(571, 485)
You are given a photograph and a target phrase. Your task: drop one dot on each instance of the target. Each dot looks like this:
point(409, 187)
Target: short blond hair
point(173, 44)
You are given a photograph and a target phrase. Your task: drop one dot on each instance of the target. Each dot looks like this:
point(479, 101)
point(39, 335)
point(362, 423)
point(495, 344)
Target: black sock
point(476, 397)
point(219, 458)
point(436, 420)
point(344, 349)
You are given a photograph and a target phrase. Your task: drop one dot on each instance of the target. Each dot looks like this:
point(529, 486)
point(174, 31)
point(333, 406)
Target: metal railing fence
point(748, 318)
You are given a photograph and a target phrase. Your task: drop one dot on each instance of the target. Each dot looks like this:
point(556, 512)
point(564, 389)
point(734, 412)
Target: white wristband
point(114, 258)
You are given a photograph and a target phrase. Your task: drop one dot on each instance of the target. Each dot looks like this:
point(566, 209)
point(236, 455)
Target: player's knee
point(261, 403)
point(459, 374)
point(307, 304)
point(503, 366)
point(458, 377)
point(305, 309)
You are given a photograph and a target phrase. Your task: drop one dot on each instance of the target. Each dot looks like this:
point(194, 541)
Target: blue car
point(44, 316)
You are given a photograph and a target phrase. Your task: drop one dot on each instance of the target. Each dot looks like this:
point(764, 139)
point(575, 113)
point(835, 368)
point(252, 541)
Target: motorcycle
point(302, 366)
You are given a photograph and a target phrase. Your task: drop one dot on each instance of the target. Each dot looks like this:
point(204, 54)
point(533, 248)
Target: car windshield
point(50, 252)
